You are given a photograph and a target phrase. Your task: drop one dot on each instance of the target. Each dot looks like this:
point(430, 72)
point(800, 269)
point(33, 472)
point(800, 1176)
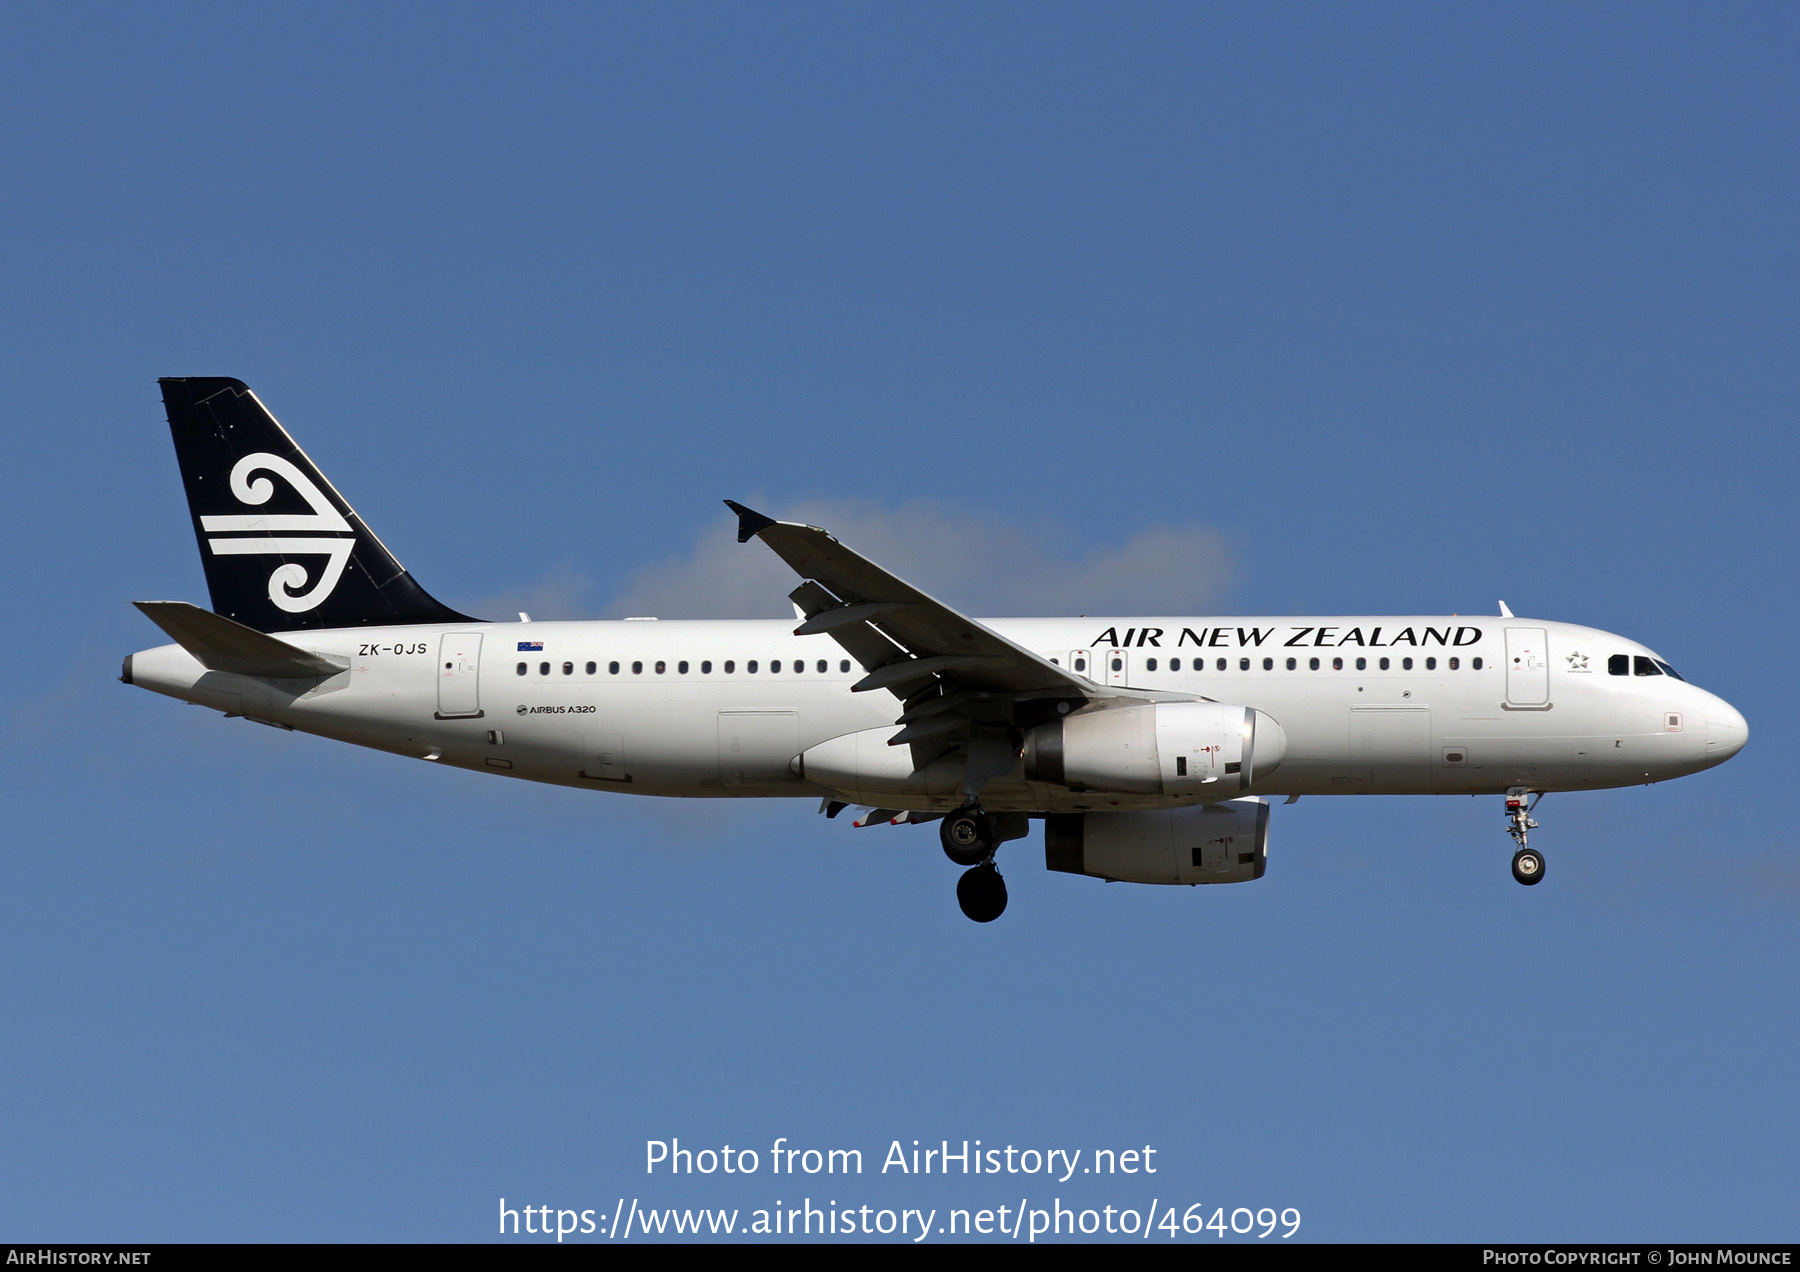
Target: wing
point(961, 683)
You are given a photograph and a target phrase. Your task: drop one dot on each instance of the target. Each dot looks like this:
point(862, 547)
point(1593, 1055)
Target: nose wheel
point(1527, 863)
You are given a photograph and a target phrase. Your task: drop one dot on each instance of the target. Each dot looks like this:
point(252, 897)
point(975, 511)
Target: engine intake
point(1159, 748)
point(1227, 842)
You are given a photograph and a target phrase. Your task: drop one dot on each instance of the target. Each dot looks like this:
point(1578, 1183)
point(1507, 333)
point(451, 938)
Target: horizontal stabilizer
point(224, 645)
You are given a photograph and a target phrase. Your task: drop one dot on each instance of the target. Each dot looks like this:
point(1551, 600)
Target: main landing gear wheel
point(968, 839)
point(981, 893)
point(1528, 866)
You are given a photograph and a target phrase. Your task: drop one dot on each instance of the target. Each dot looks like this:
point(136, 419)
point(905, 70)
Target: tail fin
point(282, 550)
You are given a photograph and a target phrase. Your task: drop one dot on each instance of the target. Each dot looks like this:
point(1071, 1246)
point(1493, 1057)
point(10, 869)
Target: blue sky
point(1311, 309)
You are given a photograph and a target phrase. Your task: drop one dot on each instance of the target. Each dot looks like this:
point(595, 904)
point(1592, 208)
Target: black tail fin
point(283, 552)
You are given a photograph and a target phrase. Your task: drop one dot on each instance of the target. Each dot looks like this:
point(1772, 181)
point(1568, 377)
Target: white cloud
point(562, 593)
point(975, 561)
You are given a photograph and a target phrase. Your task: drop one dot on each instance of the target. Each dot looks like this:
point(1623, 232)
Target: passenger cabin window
point(730, 666)
point(1243, 664)
point(1174, 664)
point(592, 668)
point(844, 665)
point(1220, 665)
point(1362, 664)
point(682, 666)
point(1312, 664)
point(1384, 664)
point(1292, 664)
point(1081, 664)
point(1455, 663)
point(823, 667)
point(521, 669)
point(1431, 664)
point(1406, 664)
point(637, 668)
point(568, 669)
point(1269, 664)
point(612, 668)
point(543, 669)
point(1337, 664)
point(1475, 663)
point(750, 667)
point(1149, 664)
point(706, 667)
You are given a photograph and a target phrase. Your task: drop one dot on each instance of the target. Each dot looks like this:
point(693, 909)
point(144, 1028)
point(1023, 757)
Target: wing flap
point(862, 642)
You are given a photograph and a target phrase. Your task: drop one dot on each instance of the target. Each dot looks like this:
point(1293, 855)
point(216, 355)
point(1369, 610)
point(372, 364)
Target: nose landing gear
point(1527, 863)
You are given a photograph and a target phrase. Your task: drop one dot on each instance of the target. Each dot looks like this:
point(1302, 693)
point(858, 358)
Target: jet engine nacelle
point(1227, 842)
point(1157, 748)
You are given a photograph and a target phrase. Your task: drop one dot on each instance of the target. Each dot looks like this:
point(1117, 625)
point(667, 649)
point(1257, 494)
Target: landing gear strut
point(1527, 863)
point(969, 839)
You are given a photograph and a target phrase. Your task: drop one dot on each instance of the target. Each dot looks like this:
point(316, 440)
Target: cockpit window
point(1668, 670)
point(1619, 665)
point(1642, 666)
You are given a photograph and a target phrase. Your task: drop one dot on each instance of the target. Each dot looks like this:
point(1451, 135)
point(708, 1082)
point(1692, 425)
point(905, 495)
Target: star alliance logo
point(1577, 662)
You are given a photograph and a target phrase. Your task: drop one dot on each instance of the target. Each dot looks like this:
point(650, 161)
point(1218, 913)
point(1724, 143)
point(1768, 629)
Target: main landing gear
point(981, 893)
point(969, 840)
point(967, 835)
point(1527, 863)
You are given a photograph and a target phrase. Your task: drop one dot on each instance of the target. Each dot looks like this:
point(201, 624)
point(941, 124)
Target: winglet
point(750, 522)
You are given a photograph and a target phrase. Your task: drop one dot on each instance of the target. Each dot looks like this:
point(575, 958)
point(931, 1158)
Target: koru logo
point(275, 535)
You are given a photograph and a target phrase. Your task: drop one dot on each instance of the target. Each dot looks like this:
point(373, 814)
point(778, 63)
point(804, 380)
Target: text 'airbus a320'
point(1148, 746)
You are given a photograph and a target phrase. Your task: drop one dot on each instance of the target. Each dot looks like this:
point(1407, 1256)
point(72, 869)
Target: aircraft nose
point(1726, 731)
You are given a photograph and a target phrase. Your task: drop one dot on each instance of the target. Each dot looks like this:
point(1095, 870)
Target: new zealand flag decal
point(531, 647)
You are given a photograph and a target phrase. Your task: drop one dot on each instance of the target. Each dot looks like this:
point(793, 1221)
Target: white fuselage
point(1486, 703)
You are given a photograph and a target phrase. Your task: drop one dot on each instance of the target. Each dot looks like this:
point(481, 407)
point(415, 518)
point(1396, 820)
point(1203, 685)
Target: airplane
point(1149, 747)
